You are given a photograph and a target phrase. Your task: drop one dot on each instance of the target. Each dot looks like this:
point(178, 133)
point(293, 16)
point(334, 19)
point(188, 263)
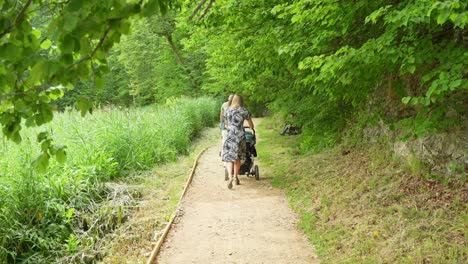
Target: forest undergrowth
point(362, 205)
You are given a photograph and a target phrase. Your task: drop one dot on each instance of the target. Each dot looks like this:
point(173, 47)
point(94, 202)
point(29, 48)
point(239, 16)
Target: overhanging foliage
point(326, 59)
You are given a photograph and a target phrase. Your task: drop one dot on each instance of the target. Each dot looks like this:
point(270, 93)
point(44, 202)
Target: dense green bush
point(45, 216)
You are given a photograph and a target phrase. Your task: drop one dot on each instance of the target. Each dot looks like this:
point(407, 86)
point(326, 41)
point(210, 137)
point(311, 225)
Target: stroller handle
point(253, 130)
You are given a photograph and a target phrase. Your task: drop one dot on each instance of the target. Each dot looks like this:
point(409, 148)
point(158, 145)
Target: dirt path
point(252, 223)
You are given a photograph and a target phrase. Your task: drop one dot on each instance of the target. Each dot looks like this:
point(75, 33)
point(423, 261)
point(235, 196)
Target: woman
point(222, 122)
point(234, 145)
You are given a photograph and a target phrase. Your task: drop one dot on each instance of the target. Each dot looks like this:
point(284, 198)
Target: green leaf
point(100, 55)
point(85, 46)
point(38, 72)
point(55, 92)
point(455, 84)
point(99, 81)
point(61, 154)
point(42, 136)
point(453, 17)
point(45, 111)
point(41, 163)
point(45, 145)
point(150, 7)
point(84, 105)
point(30, 121)
point(68, 44)
point(74, 5)
point(406, 99)
point(2, 70)
point(443, 16)
point(124, 27)
point(70, 22)
point(376, 14)
point(46, 44)
point(70, 213)
point(426, 101)
point(162, 7)
point(36, 33)
point(11, 130)
point(10, 52)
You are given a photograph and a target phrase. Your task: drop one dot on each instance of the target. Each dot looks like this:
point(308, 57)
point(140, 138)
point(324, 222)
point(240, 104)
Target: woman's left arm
point(251, 124)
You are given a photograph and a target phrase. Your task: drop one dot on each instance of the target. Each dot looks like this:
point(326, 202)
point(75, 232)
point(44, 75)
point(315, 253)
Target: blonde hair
point(230, 100)
point(236, 101)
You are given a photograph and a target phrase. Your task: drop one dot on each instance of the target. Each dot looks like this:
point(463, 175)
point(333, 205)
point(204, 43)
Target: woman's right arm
point(226, 120)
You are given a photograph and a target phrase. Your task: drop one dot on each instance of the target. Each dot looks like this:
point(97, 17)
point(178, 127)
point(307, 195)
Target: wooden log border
point(161, 239)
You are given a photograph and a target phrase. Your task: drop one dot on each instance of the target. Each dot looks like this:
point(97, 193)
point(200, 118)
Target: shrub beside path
point(252, 223)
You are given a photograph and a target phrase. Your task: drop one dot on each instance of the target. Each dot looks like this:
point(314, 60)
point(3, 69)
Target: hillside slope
point(361, 206)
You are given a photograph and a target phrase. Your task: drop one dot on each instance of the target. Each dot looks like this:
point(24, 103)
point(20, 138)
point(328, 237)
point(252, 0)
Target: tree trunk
point(174, 49)
point(180, 60)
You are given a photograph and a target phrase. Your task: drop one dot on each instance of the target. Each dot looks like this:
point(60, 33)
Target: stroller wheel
point(257, 173)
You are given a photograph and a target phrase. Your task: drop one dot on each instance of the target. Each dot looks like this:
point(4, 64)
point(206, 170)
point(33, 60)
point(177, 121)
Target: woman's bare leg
point(237, 165)
point(229, 166)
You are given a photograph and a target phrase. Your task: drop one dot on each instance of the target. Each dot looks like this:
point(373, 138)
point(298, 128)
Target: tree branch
point(199, 6)
point(18, 19)
point(101, 41)
point(61, 3)
point(206, 10)
point(88, 57)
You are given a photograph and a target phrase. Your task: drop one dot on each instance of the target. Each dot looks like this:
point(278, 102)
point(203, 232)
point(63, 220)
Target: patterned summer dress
point(234, 146)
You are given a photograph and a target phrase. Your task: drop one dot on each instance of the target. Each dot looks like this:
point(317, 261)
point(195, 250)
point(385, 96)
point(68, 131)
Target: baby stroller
point(250, 154)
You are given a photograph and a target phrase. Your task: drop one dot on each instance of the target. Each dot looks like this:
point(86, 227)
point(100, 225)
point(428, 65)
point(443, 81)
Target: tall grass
point(44, 217)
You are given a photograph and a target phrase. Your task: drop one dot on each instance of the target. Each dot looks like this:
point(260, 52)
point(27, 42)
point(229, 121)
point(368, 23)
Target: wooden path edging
point(161, 239)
